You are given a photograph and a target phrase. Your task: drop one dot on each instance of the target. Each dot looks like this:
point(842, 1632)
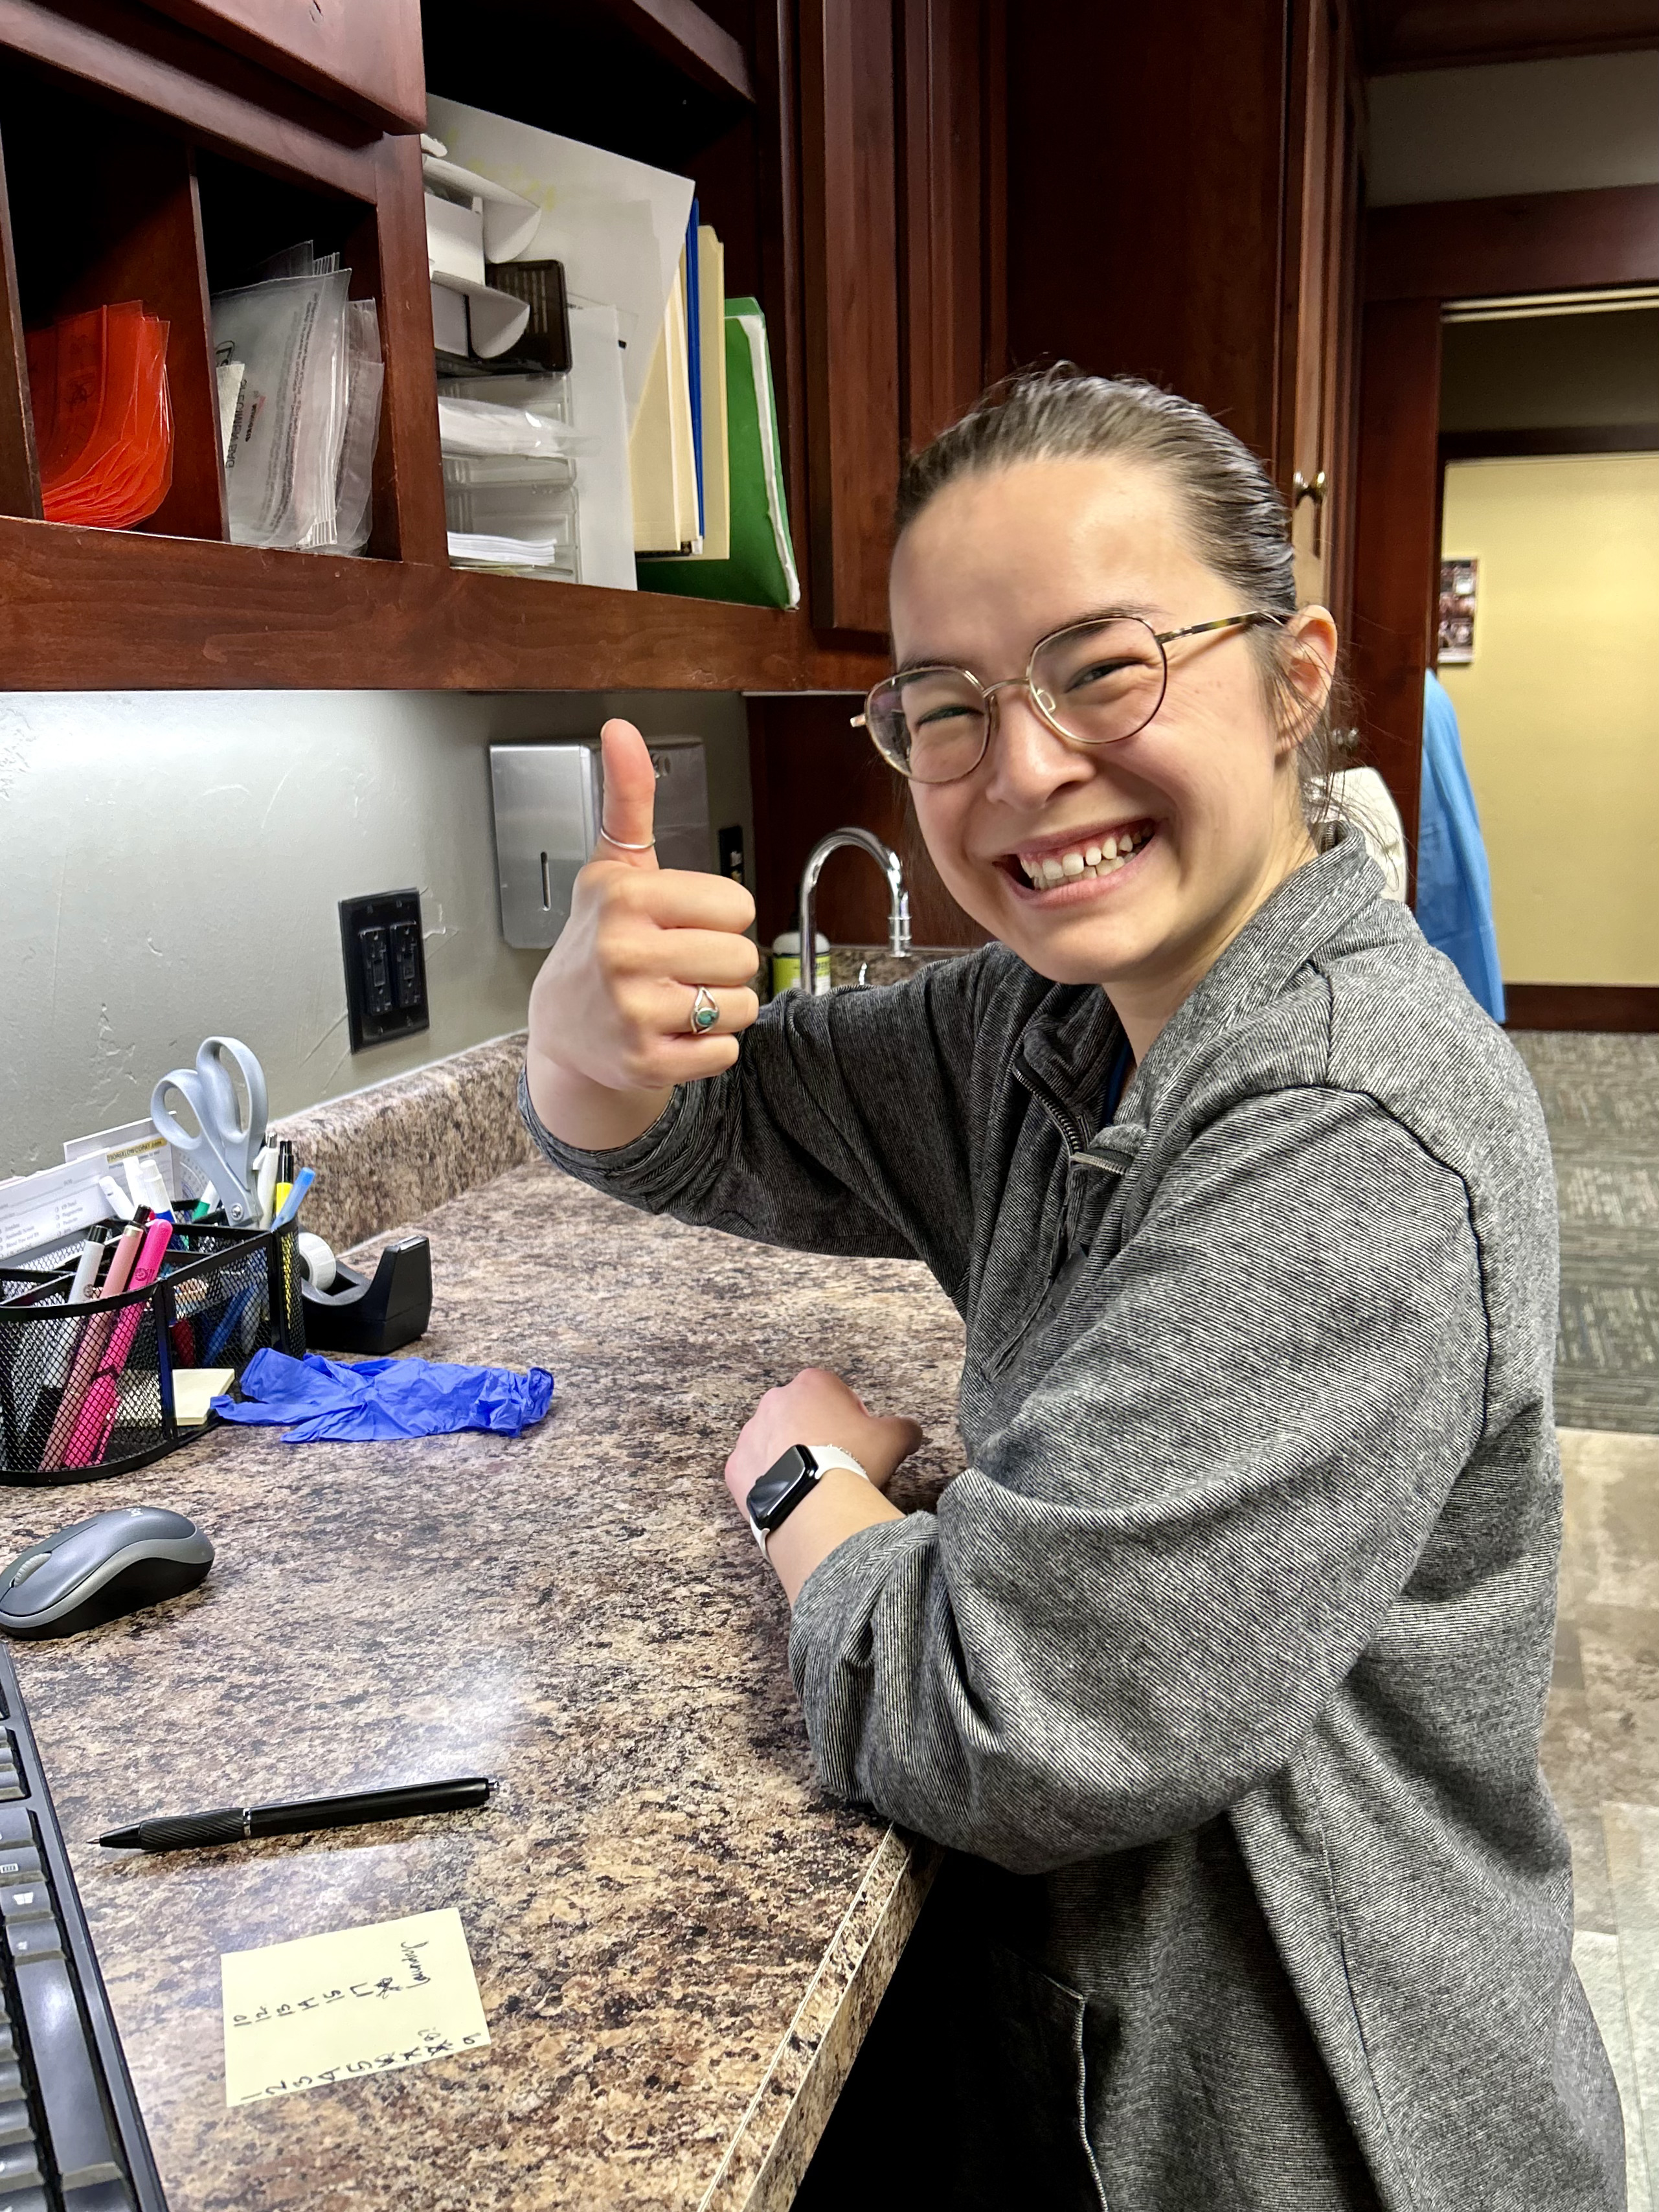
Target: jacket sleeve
point(1134, 1604)
point(844, 1127)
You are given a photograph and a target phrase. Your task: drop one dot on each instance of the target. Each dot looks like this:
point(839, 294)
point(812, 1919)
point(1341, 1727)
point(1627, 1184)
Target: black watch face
point(776, 1494)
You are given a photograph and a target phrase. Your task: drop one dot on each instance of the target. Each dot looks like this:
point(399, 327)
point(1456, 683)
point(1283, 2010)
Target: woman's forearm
point(587, 1115)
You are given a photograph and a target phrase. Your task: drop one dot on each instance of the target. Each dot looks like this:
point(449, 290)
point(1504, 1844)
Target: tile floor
point(1601, 1753)
point(1600, 1097)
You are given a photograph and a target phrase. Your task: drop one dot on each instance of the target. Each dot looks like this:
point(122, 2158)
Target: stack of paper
point(103, 418)
point(759, 564)
point(678, 453)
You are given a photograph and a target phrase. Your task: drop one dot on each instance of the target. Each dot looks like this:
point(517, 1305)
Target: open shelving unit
point(161, 156)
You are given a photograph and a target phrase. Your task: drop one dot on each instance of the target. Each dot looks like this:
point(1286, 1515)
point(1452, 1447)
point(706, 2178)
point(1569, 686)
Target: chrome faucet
point(898, 899)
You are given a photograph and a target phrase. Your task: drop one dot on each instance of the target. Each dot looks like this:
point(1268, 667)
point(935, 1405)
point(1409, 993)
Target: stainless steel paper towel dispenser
point(549, 802)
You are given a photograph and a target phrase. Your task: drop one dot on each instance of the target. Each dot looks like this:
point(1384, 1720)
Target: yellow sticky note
point(363, 2000)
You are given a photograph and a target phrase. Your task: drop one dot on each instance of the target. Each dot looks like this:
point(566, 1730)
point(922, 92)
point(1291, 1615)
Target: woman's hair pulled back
point(1235, 520)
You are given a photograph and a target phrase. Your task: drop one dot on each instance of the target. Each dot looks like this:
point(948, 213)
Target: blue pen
point(296, 1199)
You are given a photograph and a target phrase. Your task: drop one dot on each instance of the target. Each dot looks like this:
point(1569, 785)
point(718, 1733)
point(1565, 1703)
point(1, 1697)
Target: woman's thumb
point(630, 797)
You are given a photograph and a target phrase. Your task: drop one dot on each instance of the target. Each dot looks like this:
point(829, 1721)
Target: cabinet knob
point(1300, 489)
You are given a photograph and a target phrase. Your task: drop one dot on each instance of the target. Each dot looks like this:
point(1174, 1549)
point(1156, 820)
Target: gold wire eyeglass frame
point(1043, 702)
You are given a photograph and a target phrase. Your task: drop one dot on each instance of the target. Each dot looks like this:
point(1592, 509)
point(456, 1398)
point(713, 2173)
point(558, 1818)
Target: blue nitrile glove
point(326, 1399)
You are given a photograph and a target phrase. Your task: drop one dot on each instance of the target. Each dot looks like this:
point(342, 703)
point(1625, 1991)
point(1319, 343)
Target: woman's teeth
point(1103, 858)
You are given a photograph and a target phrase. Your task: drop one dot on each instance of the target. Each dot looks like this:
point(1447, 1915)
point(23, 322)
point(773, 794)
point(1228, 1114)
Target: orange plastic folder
point(103, 421)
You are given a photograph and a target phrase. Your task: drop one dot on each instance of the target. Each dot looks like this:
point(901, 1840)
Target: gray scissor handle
point(232, 1143)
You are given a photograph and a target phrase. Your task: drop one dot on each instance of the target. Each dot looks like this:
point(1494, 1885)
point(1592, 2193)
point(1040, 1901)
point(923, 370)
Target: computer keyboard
point(70, 2136)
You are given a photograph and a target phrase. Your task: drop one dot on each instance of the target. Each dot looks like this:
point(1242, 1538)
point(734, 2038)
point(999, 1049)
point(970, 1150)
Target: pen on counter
point(295, 1198)
point(303, 1816)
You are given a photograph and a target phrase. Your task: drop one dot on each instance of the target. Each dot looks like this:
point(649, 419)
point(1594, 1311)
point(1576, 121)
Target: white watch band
point(826, 1455)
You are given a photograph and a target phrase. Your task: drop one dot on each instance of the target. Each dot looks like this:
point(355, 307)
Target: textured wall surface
point(170, 866)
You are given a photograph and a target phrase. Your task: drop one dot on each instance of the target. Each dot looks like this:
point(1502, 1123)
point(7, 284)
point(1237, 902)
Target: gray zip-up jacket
point(1222, 1665)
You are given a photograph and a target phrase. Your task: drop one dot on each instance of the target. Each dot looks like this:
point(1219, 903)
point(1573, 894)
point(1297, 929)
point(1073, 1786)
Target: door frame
point(1417, 258)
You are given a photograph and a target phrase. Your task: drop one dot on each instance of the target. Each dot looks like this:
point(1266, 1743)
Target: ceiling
point(1423, 34)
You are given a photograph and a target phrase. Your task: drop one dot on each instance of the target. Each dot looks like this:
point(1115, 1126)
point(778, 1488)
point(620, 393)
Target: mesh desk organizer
point(223, 1295)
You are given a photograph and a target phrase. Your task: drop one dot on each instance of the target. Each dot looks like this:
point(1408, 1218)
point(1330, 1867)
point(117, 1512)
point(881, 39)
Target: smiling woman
point(1219, 1669)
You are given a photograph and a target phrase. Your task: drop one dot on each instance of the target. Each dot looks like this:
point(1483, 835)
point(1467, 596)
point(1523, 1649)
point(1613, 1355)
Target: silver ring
point(623, 845)
point(704, 1013)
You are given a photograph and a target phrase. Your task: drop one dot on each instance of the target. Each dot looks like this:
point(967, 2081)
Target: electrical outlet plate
point(384, 967)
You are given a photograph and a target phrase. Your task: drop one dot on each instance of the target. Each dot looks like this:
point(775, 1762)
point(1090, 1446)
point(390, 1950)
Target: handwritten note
point(328, 2008)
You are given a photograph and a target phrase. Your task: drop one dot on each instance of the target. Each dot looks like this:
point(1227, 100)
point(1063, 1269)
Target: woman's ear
point(1309, 668)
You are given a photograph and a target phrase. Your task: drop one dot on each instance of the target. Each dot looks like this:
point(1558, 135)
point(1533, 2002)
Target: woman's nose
point(1029, 764)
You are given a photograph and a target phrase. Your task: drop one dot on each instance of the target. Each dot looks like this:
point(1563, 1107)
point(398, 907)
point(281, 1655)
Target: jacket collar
point(1065, 1052)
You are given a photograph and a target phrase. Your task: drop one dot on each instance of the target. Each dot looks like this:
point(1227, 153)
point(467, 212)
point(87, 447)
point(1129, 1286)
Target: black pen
point(192, 1831)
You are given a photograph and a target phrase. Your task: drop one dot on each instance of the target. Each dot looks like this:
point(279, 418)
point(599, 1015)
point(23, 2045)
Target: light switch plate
point(380, 941)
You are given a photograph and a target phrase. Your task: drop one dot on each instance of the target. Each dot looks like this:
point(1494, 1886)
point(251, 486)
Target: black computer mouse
point(97, 1570)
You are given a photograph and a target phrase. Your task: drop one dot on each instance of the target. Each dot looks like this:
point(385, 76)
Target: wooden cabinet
point(1182, 205)
point(160, 159)
point(367, 57)
point(918, 195)
point(1316, 437)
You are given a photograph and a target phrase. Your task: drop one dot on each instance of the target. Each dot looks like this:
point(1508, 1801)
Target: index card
point(326, 2009)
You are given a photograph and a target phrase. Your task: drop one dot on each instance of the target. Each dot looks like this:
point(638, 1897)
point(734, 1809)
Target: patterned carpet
point(1600, 1097)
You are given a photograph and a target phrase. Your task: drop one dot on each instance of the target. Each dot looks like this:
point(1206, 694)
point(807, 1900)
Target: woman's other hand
point(818, 1408)
point(610, 1031)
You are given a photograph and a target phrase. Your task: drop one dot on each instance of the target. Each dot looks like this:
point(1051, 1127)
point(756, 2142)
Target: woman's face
point(1205, 796)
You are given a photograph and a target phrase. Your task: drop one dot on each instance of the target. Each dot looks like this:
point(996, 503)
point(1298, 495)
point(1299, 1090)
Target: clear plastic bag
point(475, 427)
point(282, 465)
point(365, 376)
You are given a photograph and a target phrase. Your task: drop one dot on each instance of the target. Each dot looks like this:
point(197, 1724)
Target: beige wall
point(1560, 708)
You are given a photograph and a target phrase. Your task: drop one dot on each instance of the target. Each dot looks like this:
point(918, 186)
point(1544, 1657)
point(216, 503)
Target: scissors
point(222, 1137)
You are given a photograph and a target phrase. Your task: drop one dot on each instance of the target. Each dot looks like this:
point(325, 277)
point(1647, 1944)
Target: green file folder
point(761, 571)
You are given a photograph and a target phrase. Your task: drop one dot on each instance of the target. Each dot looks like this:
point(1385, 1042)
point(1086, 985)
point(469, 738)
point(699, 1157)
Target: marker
point(284, 1177)
point(120, 1201)
point(265, 1169)
point(87, 1267)
point(295, 1198)
point(303, 1816)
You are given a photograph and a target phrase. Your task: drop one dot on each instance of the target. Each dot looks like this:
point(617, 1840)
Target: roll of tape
point(316, 1262)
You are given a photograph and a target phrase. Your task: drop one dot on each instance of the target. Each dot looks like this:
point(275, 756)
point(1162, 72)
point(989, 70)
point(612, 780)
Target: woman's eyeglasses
point(1093, 684)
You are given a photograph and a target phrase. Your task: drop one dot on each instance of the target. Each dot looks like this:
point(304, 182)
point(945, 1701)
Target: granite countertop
point(677, 1941)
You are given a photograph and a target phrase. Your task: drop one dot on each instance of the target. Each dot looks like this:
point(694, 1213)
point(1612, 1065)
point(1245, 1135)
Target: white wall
point(1469, 134)
point(170, 865)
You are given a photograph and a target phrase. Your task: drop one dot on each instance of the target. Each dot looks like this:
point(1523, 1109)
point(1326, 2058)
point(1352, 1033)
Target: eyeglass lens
point(1099, 682)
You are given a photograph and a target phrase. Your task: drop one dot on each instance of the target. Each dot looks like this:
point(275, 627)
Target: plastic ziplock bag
point(482, 426)
point(370, 1401)
point(282, 465)
point(365, 375)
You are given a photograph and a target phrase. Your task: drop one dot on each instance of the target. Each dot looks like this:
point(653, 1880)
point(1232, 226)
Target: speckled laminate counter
point(678, 1943)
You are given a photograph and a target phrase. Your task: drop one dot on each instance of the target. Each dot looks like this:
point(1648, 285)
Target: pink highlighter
point(95, 1423)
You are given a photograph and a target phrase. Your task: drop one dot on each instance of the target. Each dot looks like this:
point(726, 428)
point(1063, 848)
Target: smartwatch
point(774, 1495)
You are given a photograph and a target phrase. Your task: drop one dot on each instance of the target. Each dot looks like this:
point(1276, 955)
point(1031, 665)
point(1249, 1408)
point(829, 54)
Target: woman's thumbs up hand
point(620, 1012)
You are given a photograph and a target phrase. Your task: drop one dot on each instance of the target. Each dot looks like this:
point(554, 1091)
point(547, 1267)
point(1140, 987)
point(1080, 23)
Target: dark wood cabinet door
point(361, 54)
point(848, 163)
point(1317, 354)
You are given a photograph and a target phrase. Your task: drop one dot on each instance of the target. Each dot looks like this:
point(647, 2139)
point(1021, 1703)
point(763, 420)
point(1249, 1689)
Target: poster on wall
point(1458, 581)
